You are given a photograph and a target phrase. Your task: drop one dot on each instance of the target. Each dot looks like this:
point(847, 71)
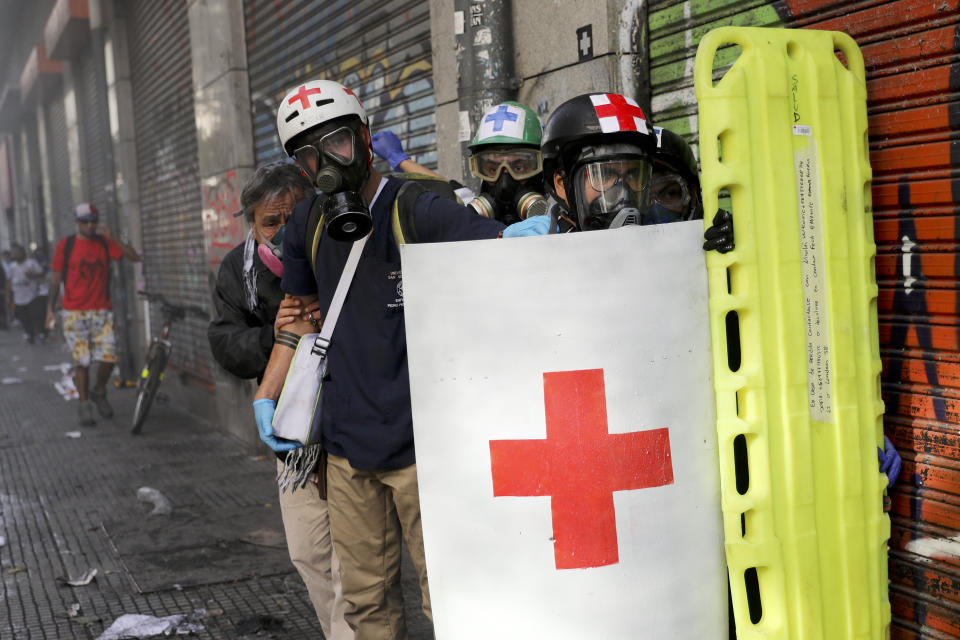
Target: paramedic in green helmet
point(505, 156)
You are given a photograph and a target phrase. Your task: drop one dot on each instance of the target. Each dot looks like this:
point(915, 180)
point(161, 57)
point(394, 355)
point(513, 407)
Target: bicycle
point(158, 354)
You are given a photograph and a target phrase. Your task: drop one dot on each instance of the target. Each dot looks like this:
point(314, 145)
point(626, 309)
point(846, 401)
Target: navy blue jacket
point(366, 414)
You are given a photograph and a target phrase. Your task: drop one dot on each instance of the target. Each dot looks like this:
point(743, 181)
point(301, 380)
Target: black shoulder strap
point(439, 186)
point(67, 250)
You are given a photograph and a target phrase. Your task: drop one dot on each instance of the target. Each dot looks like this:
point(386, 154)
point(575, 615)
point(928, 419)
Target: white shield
point(564, 422)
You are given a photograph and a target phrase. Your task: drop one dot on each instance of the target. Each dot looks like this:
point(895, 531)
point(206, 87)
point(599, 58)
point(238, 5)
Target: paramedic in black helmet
point(598, 160)
point(675, 188)
point(365, 422)
point(675, 191)
point(607, 167)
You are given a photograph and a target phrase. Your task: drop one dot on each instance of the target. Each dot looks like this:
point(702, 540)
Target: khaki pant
point(306, 521)
point(369, 511)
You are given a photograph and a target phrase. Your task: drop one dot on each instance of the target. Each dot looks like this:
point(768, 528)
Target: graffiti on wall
point(394, 82)
point(388, 95)
point(910, 50)
point(221, 229)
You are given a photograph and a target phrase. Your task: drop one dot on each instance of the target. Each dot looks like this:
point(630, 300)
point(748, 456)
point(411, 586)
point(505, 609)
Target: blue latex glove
point(387, 145)
point(890, 462)
point(533, 226)
point(263, 410)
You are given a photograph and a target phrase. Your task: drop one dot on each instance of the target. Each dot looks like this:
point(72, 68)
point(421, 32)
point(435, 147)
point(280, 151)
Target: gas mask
point(271, 253)
point(276, 245)
point(670, 197)
point(659, 214)
point(508, 173)
point(337, 161)
point(508, 200)
point(611, 193)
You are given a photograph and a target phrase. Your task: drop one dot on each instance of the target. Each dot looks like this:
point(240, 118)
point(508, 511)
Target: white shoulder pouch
point(302, 395)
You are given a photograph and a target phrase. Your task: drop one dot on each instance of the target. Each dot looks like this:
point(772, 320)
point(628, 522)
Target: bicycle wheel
point(150, 379)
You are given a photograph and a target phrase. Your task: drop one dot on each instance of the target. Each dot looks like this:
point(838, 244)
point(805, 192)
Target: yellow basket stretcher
point(783, 132)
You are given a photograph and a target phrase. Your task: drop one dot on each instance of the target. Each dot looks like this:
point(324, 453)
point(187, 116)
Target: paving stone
point(64, 501)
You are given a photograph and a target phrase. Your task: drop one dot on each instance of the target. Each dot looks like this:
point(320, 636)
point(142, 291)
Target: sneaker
point(85, 414)
point(100, 399)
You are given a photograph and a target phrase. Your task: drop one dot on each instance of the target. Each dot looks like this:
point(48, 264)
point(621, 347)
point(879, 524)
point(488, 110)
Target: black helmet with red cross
point(597, 157)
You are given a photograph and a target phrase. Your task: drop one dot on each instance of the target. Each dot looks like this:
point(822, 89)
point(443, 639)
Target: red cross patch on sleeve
point(618, 113)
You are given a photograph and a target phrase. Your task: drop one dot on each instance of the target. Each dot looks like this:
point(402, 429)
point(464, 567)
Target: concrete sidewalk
point(69, 504)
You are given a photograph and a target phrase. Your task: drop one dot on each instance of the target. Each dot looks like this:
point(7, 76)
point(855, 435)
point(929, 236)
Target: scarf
point(298, 466)
point(249, 272)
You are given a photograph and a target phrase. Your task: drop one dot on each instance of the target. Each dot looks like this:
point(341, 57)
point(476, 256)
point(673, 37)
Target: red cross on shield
point(579, 466)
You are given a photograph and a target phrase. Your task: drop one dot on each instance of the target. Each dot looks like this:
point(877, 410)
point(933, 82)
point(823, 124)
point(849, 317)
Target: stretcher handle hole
point(794, 50)
point(724, 59)
point(752, 585)
point(733, 340)
point(842, 57)
point(725, 145)
point(741, 464)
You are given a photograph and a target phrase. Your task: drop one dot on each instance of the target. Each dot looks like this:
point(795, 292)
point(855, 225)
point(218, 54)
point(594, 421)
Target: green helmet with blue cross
point(508, 123)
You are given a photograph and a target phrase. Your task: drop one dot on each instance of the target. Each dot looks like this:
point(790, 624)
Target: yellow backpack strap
point(402, 220)
point(314, 230)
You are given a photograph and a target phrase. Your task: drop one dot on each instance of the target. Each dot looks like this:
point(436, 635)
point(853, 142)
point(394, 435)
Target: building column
point(225, 156)
point(127, 193)
point(47, 230)
point(78, 176)
point(26, 217)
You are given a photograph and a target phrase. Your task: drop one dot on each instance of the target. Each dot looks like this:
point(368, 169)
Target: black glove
point(719, 235)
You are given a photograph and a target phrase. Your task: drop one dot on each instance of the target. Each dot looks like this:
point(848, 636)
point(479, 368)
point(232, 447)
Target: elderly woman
point(248, 293)
point(247, 298)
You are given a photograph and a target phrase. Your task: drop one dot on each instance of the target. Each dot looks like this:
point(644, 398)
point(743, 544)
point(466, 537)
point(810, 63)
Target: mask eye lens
point(520, 166)
point(520, 163)
point(634, 179)
point(339, 145)
point(490, 169)
point(308, 158)
point(671, 192)
point(601, 176)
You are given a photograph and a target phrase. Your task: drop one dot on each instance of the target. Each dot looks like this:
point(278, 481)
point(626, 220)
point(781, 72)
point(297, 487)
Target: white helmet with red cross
point(312, 104)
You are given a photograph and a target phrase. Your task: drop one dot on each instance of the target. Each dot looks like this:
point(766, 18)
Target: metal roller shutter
point(174, 260)
point(675, 32)
point(911, 49)
point(62, 198)
point(92, 104)
point(381, 50)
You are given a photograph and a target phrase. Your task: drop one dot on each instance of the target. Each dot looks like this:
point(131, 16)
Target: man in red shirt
point(87, 314)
